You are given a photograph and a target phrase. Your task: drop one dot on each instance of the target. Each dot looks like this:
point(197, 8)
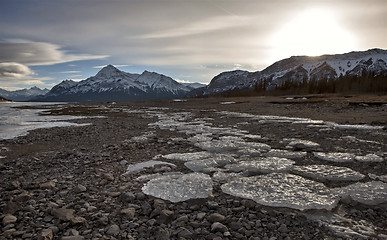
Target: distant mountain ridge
point(23, 94)
point(111, 84)
point(298, 69)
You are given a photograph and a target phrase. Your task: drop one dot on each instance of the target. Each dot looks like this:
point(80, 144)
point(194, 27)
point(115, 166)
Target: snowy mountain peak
point(108, 71)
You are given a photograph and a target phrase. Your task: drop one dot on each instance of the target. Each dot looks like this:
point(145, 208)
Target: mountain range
point(298, 69)
point(23, 94)
point(111, 84)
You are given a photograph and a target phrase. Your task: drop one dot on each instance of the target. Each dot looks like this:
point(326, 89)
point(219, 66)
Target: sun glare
point(312, 32)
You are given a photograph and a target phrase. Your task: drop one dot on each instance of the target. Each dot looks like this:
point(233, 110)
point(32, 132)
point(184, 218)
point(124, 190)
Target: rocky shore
point(72, 182)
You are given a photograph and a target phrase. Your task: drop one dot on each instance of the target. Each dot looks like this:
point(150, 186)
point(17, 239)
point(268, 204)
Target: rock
point(158, 203)
point(140, 196)
point(108, 177)
point(216, 217)
point(80, 188)
point(12, 207)
point(200, 216)
point(248, 203)
point(48, 185)
point(166, 216)
point(63, 213)
point(8, 219)
point(127, 197)
point(283, 228)
point(113, 230)
point(128, 212)
point(184, 233)
point(218, 227)
point(235, 225)
point(72, 238)
point(123, 162)
point(14, 185)
point(212, 205)
point(162, 234)
point(23, 197)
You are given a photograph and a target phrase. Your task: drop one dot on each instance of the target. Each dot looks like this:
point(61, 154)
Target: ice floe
point(221, 176)
point(138, 167)
point(178, 188)
point(302, 144)
point(327, 173)
point(369, 158)
point(261, 165)
point(216, 160)
point(335, 156)
point(283, 190)
point(217, 146)
point(369, 193)
point(285, 154)
point(188, 156)
point(353, 127)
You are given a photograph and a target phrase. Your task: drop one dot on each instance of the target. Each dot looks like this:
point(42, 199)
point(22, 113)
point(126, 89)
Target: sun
point(312, 32)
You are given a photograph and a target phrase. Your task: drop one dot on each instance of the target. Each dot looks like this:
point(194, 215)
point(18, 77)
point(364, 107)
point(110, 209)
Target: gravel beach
point(72, 182)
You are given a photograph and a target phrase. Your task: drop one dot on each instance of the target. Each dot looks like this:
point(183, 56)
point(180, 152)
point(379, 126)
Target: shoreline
point(81, 169)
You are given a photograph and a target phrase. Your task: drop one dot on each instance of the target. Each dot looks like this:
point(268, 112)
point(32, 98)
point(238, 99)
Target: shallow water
point(15, 122)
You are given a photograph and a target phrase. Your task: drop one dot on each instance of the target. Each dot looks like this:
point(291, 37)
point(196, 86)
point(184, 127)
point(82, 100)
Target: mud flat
point(242, 168)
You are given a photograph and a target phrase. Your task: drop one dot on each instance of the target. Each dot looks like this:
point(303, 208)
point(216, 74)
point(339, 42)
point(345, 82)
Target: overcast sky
point(43, 42)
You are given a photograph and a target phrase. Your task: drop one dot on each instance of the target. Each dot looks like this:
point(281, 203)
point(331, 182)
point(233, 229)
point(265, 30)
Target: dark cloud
point(14, 70)
point(38, 53)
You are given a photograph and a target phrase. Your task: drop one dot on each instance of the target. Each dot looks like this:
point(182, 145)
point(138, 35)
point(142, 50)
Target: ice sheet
point(178, 188)
point(217, 146)
point(261, 165)
point(369, 193)
point(283, 190)
point(335, 156)
point(304, 144)
point(285, 154)
point(188, 156)
point(135, 168)
point(217, 160)
point(327, 173)
point(369, 158)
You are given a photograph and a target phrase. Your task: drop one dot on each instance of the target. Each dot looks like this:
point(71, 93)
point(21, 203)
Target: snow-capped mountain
point(111, 84)
point(299, 68)
point(23, 94)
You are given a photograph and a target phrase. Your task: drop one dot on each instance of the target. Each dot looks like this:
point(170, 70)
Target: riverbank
point(70, 183)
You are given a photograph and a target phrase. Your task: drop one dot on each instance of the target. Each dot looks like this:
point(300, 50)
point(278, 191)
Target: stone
point(63, 213)
point(8, 219)
point(128, 212)
point(23, 197)
point(216, 217)
point(162, 234)
point(48, 185)
point(212, 205)
point(127, 197)
point(108, 177)
point(73, 238)
point(113, 230)
point(283, 228)
point(218, 227)
point(158, 203)
point(80, 188)
point(184, 233)
point(166, 216)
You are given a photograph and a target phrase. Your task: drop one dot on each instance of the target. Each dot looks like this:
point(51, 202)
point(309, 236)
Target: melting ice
point(283, 190)
point(178, 188)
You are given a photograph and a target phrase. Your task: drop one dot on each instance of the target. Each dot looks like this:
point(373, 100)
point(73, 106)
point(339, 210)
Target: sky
point(43, 42)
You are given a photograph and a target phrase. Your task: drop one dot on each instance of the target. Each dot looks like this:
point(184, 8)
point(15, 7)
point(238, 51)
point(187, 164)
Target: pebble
point(113, 230)
point(218, 227)
point(8, 219)
point(216, 217)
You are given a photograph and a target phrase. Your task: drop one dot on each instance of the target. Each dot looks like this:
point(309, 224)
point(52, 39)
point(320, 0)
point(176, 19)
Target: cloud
point(210, 24)
point(14, 70)
point(39, 53)
point(70, 72)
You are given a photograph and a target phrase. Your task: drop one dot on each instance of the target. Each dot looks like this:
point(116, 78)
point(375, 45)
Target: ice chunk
point(283, 190)
point(262, 165)
point(262, 147)
point(178, 188)
point(200, 138)
point(382, 178)
point(353, 127)
point(135, 168)
point(147, 177)
point(335, 157)
point(303, 144)
point(369, 158)
point(225, 176)
point(217, 160)
point(327, 173)
point(369, 193)
point(217, 146)
point(188, 156)
point(285, 154)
